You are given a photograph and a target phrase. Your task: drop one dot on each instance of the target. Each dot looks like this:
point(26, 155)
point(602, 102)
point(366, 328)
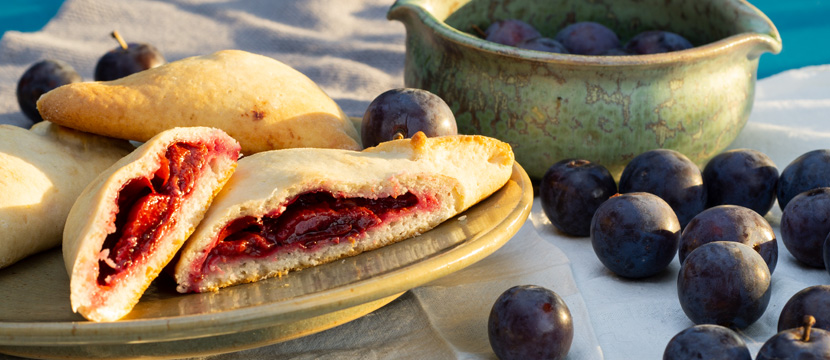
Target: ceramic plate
point(36, 319)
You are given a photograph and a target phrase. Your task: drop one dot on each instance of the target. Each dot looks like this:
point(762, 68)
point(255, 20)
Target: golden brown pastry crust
point(93, 215)
point(261, 102)
point(42, 172)
point(458, 170)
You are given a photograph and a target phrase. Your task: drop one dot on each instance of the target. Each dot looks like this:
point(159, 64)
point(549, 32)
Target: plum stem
point(809, 321)
point(120, 40)
point(478, 30)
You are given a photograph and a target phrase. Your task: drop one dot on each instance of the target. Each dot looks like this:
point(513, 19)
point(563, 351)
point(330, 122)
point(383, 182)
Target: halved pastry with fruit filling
point(290, 209)
point(135, 216)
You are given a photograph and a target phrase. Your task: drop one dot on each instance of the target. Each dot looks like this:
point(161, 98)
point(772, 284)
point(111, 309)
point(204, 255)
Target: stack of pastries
point(246, 170)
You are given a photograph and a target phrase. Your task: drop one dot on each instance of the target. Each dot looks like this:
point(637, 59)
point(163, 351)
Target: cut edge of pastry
point(248, 269)
point(441, 190)
point(93, 217)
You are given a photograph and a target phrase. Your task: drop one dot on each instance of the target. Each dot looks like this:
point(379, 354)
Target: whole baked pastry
point(290, 209)
point(134, 217)
point(42, 172)
point(259, 101)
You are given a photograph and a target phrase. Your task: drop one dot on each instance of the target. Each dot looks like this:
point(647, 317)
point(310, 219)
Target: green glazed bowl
point(606, 109)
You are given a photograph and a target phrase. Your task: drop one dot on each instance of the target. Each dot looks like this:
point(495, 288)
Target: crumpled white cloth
point(351, 50)
point(348, 47)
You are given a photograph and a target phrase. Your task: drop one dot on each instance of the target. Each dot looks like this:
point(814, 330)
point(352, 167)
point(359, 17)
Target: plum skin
point(789, 344)
point(743, 177)
point(730, 223)
point(406, 111)
point(806, 172)
point(571, 191)
point(669, 175)
point(813, 300)
point(707, 341)
point(530, 322)
point(543, 44)
point(511, 32)
point(805, 224)
point(39, 79)
point(120, 62)
point(587, 38)
point(635, 235)
point(724, 283)
point(656, 42)
point(826, 255)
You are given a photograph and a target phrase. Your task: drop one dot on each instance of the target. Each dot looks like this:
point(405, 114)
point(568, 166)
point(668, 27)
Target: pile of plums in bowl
point(583, 38)
point(554, 95)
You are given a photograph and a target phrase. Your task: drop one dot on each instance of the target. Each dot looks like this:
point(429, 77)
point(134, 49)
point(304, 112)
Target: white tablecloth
point(354, 53)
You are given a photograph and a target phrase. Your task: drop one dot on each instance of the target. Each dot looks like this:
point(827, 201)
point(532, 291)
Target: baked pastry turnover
point(290, 209)
point(42, 172)
point(134, 217)
point(261, 102)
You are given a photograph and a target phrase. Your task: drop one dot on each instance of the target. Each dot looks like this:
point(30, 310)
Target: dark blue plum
point(730, 223)
point(743, 177)
point(39, 79)
point(543, 44)
point(710, 342)
point(587, 38)
point(656, 42)
point(400, 113)
point(805, 225)
point(617, 52)
point(669, 175)
point(814, 301)
point(724, 283)
point(530, 322)
point(801, 343)
point(826, 251)
point(635, 235)
point(510, 32)
point(808, 171)
point(127, 59)
point(571, 191)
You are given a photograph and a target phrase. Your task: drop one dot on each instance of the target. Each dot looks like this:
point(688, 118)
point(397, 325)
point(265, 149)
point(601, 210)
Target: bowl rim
point(757, 43)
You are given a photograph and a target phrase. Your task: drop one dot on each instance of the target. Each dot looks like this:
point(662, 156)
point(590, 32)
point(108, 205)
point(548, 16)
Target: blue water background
point(26, 15)
point(804, 26)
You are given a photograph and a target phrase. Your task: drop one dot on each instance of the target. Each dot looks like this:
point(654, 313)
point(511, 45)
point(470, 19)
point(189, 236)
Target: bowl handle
point(402, 10)
point(423, 9)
